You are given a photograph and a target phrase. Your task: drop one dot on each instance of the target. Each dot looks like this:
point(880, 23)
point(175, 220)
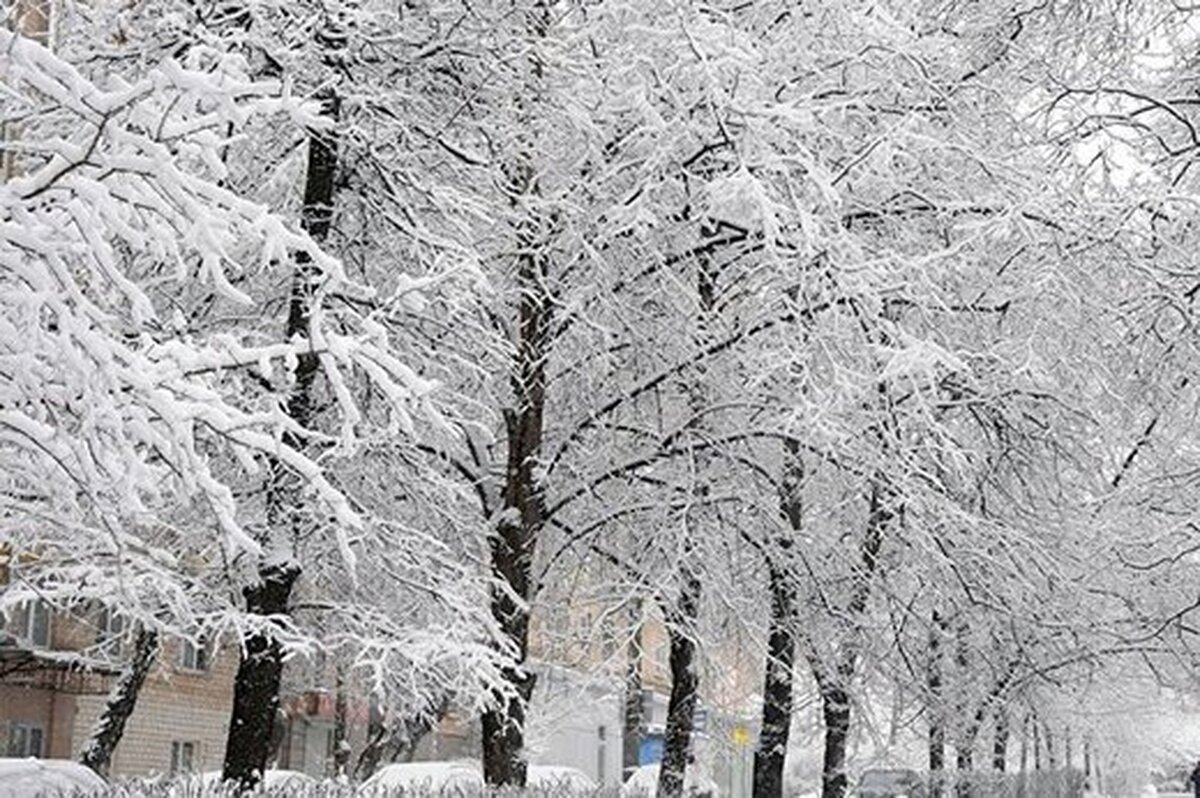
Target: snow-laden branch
point(111, 408)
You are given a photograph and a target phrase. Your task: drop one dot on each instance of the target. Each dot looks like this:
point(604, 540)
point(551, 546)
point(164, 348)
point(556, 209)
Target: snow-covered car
point(47, 778)
point(644, 782)
point(559, 777)
point(892, 783)
point(445, 778)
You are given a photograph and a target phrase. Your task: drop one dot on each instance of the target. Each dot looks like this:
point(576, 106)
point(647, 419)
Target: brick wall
point(175, 705)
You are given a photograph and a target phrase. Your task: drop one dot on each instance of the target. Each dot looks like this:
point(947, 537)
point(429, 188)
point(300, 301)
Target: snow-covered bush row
point(329, 789)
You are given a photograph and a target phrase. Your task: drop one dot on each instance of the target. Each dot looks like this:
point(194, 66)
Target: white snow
point(32, 778)
point(434, 776)
point(465, 776)
point(644, 782)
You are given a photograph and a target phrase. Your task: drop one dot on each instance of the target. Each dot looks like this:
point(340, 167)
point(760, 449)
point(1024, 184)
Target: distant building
point(56, 671)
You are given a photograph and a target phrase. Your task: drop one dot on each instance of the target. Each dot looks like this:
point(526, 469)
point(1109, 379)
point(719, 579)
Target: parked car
point(47, 778)
point(559, 777)
point(893, 783)
point(447, 778)
point(643, 783)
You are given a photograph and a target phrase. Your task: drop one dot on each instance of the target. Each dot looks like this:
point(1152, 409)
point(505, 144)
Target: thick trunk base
point(504, 762)
point(681, 708)
point(256, 686)
point(681, 711)
point(835, 708)
point(771, 754)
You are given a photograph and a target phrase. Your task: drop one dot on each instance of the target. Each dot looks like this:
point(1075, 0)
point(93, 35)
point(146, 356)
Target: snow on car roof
point(30, 778)
point(644, 780)
point(436, 775)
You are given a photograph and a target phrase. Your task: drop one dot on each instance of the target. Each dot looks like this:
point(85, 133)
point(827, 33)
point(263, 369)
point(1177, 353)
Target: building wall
point(176, 704)
point(20, 704)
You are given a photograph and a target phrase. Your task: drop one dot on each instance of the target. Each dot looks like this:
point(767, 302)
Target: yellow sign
point(741, 736)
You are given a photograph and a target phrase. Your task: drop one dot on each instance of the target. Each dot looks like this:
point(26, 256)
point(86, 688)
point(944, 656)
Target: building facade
point(57, 670)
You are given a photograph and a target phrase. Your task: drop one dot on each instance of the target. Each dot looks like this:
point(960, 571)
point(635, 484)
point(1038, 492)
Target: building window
point(193, 656)
point(30, 624)
point(183, 756)
point(110, 628)
point(25, 739)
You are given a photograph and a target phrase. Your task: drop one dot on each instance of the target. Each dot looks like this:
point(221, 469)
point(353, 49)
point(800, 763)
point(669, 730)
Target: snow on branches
point(115, 409)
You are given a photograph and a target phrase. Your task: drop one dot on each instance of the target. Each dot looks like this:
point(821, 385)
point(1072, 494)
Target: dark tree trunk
point(681, 708)
point(777, 691)
point(1000, 742)
point(98, 753)
point(835, 710)
point(631, 739)
point(523, 513)
point(514, 542)
point(256, 685)
point(935, 708)
point(504, 761)
point(770, 757)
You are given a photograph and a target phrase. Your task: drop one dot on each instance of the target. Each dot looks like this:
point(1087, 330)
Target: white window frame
point(195, 657)
point(184, 756)
point(27, 732)
point(110, 631)
point(22, 623)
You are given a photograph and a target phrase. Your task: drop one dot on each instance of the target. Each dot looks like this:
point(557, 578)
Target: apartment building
point(56, 672)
